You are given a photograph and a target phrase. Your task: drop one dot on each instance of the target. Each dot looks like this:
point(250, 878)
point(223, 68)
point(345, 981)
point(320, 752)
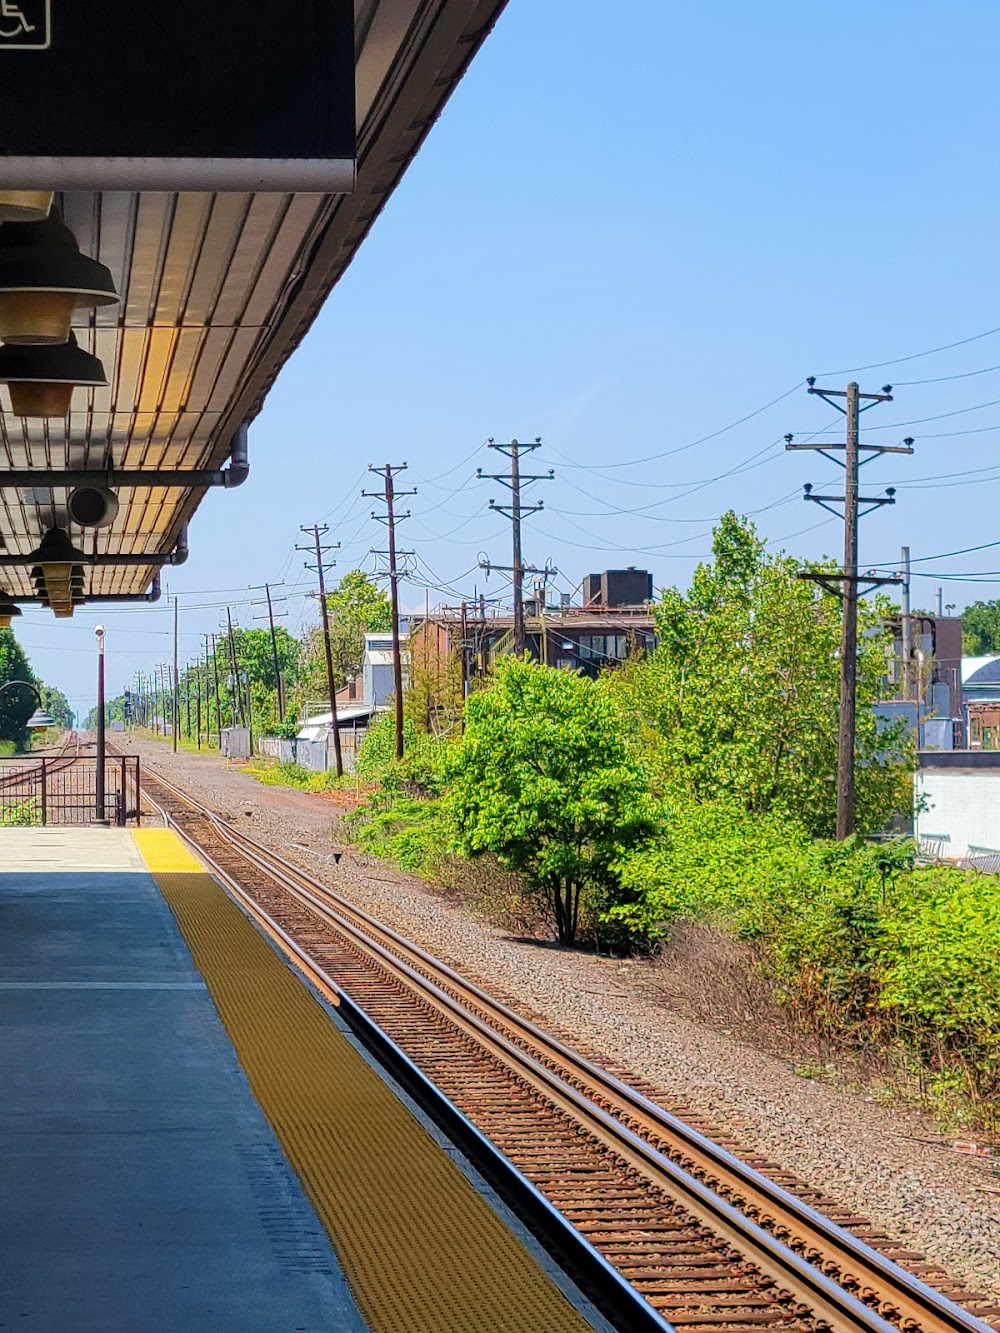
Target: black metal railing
point(63, 791)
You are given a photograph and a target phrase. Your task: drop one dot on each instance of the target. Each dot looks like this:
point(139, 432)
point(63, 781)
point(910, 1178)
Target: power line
point(682, 448)
point(943, 379)
point(914, 356)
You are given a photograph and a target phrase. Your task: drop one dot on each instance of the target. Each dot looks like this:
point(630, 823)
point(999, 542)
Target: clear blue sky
point(634, 225)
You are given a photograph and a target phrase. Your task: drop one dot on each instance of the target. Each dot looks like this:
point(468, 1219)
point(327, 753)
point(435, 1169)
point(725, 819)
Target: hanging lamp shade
point(40, 720)
point(8, 609)
point(58, 572)
point(42, 379)
point(56, 555)
point(25, 205)
point(43, 278)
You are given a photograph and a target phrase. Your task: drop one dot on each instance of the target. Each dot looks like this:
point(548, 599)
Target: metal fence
point(317, 756)
point(44, 792)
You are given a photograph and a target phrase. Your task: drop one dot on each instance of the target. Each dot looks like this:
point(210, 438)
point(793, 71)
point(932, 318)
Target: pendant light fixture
point(43, 279)
point(57, 573)
point(42, 379)
point(8, 609)
point(25, 205)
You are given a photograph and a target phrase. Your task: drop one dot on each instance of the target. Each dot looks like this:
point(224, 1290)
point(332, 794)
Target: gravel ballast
point(869, 1156)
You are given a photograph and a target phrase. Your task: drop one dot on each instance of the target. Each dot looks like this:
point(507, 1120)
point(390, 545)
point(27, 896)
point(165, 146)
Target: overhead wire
point(914, 356)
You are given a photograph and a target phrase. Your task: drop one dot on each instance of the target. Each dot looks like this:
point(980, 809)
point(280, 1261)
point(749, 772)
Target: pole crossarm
point(834, 582)
point(515, 511)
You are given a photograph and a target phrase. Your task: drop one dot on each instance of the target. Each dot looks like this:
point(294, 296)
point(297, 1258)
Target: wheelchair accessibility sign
point(25, 25)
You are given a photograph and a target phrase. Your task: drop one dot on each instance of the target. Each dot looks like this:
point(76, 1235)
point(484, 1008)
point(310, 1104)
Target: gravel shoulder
point(873, 1158)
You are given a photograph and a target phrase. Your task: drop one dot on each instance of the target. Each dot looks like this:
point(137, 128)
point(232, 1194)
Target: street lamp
point(101, 814)
point(40, 719)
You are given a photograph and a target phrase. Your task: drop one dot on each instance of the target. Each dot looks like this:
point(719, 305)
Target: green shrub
point(409, 833)
point(939, 961)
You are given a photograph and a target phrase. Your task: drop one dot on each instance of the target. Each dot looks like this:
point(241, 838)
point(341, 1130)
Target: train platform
point(192, 1140)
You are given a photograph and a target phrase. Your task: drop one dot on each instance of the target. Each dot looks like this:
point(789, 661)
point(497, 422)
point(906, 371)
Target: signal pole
point(515, 511)
point(388, 496)
point(846, 583)
point(318, 531)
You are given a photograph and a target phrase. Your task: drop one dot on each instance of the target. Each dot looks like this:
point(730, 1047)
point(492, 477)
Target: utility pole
point(237, 703)
point(846, 583)
point(280, 684)
point(197, 716)
point(388, 496)
point(218, 704)
point(465, 650)
point(515, 511)
point(176, 712)
point(318, 531)
point(907, 625)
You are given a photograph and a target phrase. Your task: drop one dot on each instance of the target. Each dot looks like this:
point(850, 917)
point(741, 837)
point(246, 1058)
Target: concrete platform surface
point(143, 1190)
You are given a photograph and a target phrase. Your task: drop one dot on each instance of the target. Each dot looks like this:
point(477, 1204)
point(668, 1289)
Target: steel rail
point(610, 1290)
point(821, 1247)
point(57, 764)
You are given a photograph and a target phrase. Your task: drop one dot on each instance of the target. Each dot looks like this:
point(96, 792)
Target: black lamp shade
point(42, 377)
point(44, 257)
point(43, 278)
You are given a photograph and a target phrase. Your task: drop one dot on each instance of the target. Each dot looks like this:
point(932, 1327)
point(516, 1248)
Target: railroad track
point(706, 1240)
point(65, 757)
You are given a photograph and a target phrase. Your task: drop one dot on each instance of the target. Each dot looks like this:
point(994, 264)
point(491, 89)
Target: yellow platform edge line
point(164, 852)
point(423, 1252)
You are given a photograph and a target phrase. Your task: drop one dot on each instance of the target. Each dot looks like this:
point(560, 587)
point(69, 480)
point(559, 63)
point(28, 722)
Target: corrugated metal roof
point(218, 289)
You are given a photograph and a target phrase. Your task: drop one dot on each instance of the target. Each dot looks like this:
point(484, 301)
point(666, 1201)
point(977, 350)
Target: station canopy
point(223, 234)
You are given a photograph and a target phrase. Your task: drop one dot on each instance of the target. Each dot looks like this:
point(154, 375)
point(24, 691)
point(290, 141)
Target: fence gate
point(63, 791)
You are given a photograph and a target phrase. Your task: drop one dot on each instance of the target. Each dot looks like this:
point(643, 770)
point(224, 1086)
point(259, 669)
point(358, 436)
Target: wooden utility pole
point(465, 650)
point(388, 496)
point(847, 583)
point(279, 681)
point(218, 702)
point(515, 511)
point(318, 531)
point(907, 627)
point(197, 717)
point(237, 702)
point(175, 724)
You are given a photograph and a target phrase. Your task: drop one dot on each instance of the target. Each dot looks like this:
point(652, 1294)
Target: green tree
point(433, 700)
point(981, 629)
point(57, 706)
point(741, 697)
point(16, 705)
point(358, 606)
point(544, 779)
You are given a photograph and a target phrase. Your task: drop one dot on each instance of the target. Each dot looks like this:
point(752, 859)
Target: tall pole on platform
point(100, 812)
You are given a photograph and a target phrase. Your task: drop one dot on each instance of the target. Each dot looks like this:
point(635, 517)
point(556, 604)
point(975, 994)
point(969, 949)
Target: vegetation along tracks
point(708, 1241)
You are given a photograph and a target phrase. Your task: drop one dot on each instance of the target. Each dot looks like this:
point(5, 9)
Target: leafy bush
point(420, 770)
point(410, 834)
point(939, 964)
point(543, 779)
point(27, 814)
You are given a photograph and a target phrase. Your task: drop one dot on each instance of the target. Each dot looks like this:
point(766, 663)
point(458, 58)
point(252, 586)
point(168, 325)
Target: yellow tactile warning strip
point(422, 1250)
